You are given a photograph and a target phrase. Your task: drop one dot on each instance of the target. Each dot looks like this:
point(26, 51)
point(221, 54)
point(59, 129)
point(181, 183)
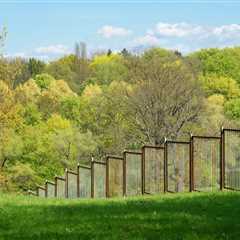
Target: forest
point(56, 114)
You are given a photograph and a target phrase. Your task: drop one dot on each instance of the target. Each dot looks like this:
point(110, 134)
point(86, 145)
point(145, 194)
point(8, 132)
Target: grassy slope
point(172, 216)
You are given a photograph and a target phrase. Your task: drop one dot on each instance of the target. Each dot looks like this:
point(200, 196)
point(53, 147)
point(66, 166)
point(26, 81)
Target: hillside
point(178, 216)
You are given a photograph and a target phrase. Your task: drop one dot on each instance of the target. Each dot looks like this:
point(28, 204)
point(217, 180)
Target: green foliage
point(54, 115)
point(72, 69)
point(13, 71)
point(225, 86)
point(31, 114)
point(157, 53)
point(232, 108)
point(35, 67)
point(43, 81)
point(222, 62)
point(108, 68)
point(23, 177)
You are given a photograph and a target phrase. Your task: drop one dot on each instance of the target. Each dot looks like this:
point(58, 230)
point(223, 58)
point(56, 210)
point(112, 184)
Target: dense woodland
point(57, 114)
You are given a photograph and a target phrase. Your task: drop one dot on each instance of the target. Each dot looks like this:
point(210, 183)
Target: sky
point(49, 29)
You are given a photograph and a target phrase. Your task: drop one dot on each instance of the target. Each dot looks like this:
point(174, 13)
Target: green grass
point(170, 216)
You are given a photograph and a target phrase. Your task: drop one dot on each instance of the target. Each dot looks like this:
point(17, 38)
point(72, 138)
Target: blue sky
point(49, 29)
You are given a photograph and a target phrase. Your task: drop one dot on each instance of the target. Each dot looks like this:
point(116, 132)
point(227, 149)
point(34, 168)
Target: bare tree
point(165, 97)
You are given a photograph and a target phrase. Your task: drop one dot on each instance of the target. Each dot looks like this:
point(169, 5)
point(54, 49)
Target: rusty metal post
point(165, 166)
point(46, 189)
point(92, 179)
point(143, 170)
point(78, 181)
point(191, 164)
point(124, 174)
point(223, 160)
point(66, 183)
point(107, 177)
point(55, 179)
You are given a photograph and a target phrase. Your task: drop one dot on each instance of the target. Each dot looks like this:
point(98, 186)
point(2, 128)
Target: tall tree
point(166, 96)
point(35, 66)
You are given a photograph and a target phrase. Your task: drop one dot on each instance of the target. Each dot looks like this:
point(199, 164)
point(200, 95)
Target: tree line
point(57, 114)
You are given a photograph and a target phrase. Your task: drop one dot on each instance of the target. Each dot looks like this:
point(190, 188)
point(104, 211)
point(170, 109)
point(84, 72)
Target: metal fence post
point(165, 166)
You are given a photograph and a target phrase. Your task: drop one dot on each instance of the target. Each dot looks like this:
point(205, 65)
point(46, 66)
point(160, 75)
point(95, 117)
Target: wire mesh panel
point(231, 143)
point(99, 179)
point(72, 184)
point(60, 187)
point(50, 189)
point(177, 166)
point(153, 162)
point(84, 181)
point(114, 176)
point(206, 163)
point(41, 192)
point(132, 173)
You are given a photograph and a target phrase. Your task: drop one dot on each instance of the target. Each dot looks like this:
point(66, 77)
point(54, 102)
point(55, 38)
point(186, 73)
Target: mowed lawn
point(169, 216)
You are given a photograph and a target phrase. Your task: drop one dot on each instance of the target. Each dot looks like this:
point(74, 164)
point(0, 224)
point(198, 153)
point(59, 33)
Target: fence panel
point(231, 156)
point(98, 179)
point(114, 176)
point(60, 184)
point(177, 166)
point(71, 184)
point(84, 181)
point(206, 163)
point(41, 192)
point(132, 173)
point(50, 189)
point(153, 169)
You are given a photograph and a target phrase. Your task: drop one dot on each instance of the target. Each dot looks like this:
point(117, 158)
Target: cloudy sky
point(49, 29)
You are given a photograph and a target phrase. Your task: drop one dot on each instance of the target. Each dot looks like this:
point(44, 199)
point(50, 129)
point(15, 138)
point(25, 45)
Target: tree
point(225, 86)
point(107, 68)
point(157, 52)
point(109, 52)
point(74, 69)
point(166, 96)
point(10, 147)
point(35, 67)
point(13, 71)
point(52, 96)
point(125, 53)
point(232, 109)
point(222, 62)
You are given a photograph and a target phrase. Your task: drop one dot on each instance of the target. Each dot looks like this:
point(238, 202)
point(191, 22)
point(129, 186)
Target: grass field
point(170, 216)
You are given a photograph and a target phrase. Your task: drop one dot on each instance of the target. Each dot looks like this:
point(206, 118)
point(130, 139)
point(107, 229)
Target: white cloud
point(177, 29)
point(227, 31)
point(108, 31)
point(52, 49)
point(148, 40)
point(184, 30)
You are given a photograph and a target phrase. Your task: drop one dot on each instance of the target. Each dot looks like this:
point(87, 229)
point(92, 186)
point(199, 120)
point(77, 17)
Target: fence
point(98, 179)
point(153, 169)
point(231, 159)
point(132, 173)
point(204, 163)
point(72, 184)
point(50, 189)
point(60, 187)
point(177, 160)
point(114, 176)
point(84, 173)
